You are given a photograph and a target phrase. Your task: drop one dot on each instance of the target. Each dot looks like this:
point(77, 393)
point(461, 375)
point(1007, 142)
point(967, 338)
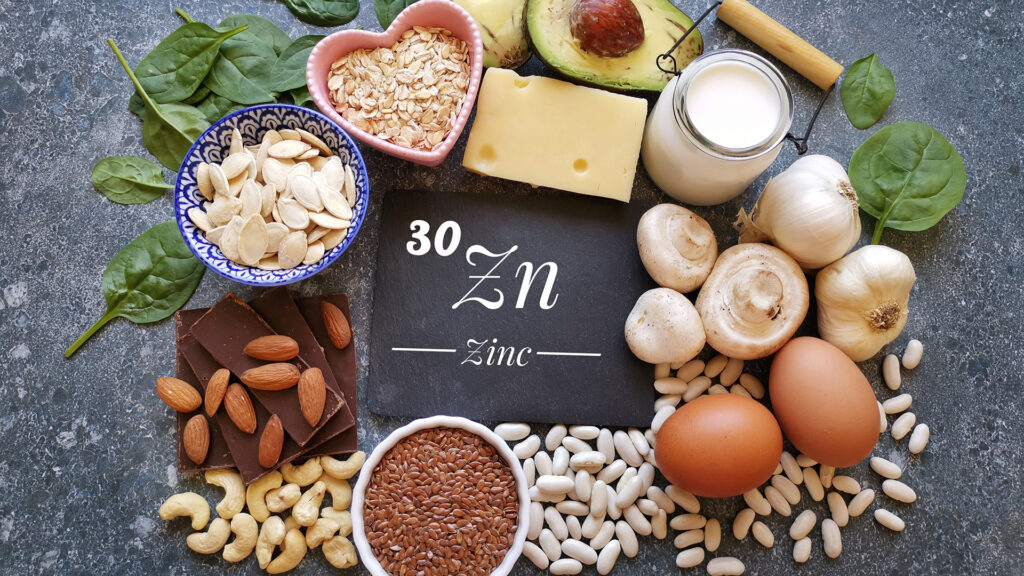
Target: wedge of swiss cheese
point(546, 132)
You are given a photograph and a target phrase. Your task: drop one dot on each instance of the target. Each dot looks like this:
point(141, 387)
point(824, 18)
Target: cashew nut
point(271, 534)
point(290, 523)
point(302, 475)
point(307, 509)
point(246, 529)
point(293, 550)
point(234, 491)
point(343, 518)
point(343, 469)
point(187, 504)
point(256, 493)
point(341, 492)
point(340, 552)
point(212, 540)
point(283, 498)
point(324, 529)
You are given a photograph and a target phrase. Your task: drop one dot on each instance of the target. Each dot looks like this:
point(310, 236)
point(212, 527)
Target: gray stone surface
point(87, 450)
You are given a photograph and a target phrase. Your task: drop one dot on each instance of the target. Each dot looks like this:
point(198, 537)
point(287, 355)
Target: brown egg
point(823, 402)
point(719, 445)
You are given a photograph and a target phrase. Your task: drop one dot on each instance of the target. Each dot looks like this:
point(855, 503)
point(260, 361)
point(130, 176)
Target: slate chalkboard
point(458, 327)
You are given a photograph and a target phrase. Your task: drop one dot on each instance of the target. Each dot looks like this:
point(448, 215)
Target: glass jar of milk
point(717, 126)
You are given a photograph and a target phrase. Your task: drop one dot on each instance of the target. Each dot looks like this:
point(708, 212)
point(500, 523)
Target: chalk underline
point(453, 350)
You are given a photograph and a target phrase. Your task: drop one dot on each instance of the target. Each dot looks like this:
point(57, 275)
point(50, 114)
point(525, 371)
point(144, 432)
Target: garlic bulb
point(809, 211)
point(862, 300)
point(753, 302)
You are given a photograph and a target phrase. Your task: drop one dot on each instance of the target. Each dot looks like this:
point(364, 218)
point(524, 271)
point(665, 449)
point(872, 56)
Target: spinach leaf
point(137, 106)
point(264, 29)
point(215, 107)
point(290, 69)
point(387, 10)
point(147, 280)
point(168, 130)
point(198, 96)
point(129, 179)
point(242, 73)
point(301, 97)
point(324, 12)
point(178, 64)
point(868, 89)
point(908, 177)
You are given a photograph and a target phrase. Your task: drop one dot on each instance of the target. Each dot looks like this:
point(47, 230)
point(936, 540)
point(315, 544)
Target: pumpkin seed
point(275, 234)
point(288, 148)
point(293, 250)
point(203, 180)
point(234, 164)
point(350, 186)
point(235, 185)
point(269, 263)
point(268, 195)
point(261, 154)
point(252, 240)
point(328, 221)
point(316, 234)
point(313, 141)
point(252, 199)
point(334, 173)
point(237, 145)
point(314, 253)
point(215, 234)
point(317, 162)
point(301, 169)
point(229, 240)
point(336, 203)
point(305, 191)
point(294, 215)
point(200, 219)
point(218, 179)
point(223, 209)
point(274, 172)
point(289, 134)
point(332, 239)
point(273, 137)
point(311, 153)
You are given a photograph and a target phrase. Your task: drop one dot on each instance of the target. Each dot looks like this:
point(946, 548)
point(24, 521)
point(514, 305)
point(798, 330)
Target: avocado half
point(503, 30)
point(547, 22)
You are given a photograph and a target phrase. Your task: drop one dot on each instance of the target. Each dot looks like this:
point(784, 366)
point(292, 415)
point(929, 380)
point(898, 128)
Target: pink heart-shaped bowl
point(426, 13)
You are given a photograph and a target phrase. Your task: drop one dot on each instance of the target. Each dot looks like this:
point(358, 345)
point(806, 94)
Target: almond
point(338, 328)
point(275, 348)
point(277, 376)
point(239, 408)
point(196, 438)
point(178, 394)
point(215, 390)
point(271, 442)
point(312, 395)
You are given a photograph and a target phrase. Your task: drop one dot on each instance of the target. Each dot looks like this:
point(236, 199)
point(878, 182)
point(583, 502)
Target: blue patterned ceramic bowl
point(253, 123)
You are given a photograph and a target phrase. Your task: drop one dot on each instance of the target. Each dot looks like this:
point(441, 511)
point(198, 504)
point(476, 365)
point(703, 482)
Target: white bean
point(791, 468)
point(860, 502)
point(604, 535)
point(740, 391)
point(802, 550)
point(715, 366)
point(712, 535)
point(661, 499)
point(696, 387)
point(530, 471)
point(648, 507)
point(777, 500)
point(637, 521)
point(512, 431)
point(624, 446)
point(741, 524)
point(598, 499)
point(752, 385)
point(612, 472)
point(902, 426)
point(667, 401)
point(882, 422)
point(591, 461)
point(572, 508)
point(826, 473)
point(573, 523)
point(717, 389)
point(899, 491)
point(554, 484)
point(542, 461)
point(661, 416)
point(527, 448)
point(763, 534)
point(662, 370)
point(554, 437)
point(605, 444)
point(652, 440)
point(837, 508)
point(885, 468)
point(639, 441)
point(646, 473)
point(897, 404)
point(580, 551)
point(627, 538)
point(535, 555)
point(575, 445)
point(813, 484)
point(555, 522)
point(614, 512)
point(536, 521)
point(628, 475)
point(725, 566)
point(629, 493)
point(690, 558)
point(912, 354)
point(891, 372)
point(560, 461)
point(919, 439)
point(689, 538)
point(683, 498)
point(537, 496)
point(846, 484)
point(565, 566)
point(670, 386)
point(889, 520)
point(584, 432)
point(690, 370)
point(803, 525)
point(591, 527)
point(831, 537)
point(606, 559)
point(659, 524)
point(584, 485)
point(685, 522)
point(805, 461)
point(789, 490)
point(757, 502)
point(550, 545)
point(731, 373)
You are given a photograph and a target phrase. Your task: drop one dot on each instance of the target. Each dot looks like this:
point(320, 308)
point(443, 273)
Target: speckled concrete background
point(87, 451)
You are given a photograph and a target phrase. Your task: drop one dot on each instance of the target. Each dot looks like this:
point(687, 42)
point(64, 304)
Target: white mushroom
point(678, 248)
point(664, 328)
point(753, 301)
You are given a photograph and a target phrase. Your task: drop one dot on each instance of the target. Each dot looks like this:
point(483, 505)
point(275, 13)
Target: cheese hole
point(521, 82)
point(580, 165)
point(487, 154)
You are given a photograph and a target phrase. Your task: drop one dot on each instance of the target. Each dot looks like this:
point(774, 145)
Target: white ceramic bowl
point(366, 554)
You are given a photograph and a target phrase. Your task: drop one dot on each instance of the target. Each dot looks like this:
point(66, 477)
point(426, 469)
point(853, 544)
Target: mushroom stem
point(756, 295)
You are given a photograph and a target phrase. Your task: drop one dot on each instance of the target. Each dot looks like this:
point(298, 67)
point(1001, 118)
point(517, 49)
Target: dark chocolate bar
point(218, 455)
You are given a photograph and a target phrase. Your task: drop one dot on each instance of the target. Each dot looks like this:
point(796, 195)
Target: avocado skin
point(547, 23)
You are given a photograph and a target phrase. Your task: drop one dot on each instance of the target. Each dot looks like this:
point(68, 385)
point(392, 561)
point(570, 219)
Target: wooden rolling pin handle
point(780, 42)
